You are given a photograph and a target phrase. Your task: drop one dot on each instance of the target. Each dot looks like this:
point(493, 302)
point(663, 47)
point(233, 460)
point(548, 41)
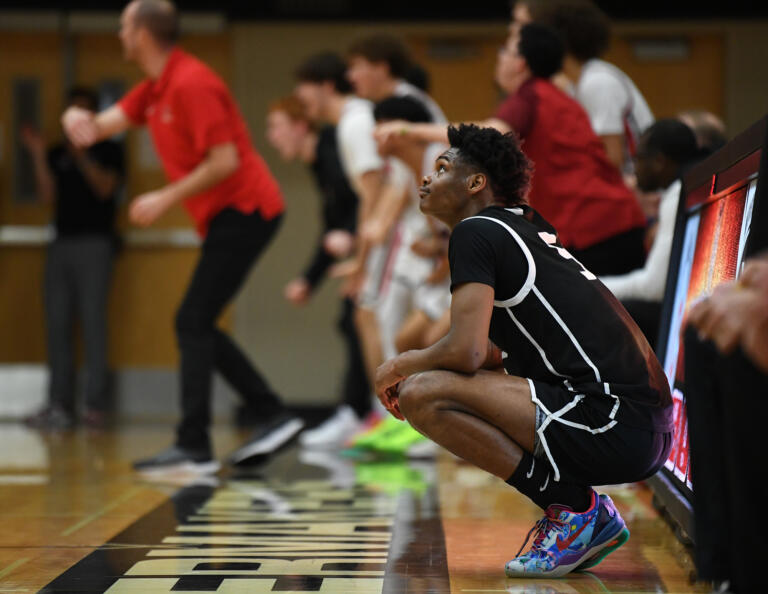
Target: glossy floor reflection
point(75, 519)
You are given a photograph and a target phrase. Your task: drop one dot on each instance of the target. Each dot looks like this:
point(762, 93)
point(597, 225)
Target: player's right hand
point(387, 387)
point(339, 243)
point(32, 140)
point(297, 291)
point(80, 126)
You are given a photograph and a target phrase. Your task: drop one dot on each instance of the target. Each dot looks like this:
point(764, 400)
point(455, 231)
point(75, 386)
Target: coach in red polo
point(235, 203)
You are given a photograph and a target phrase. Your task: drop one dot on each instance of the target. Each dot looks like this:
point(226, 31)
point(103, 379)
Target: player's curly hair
point(498, 156)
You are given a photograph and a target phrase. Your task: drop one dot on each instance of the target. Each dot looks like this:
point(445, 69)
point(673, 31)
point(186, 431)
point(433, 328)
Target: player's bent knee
point(419, 392)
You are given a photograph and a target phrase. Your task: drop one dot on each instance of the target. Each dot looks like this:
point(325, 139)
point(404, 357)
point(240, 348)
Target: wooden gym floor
point(75, 518)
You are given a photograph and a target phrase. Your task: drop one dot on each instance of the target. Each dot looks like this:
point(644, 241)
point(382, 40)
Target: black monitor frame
point(752, 139)
point(703, 177)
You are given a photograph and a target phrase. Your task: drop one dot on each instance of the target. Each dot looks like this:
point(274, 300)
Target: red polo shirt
point(189, 110)
point(574, 186)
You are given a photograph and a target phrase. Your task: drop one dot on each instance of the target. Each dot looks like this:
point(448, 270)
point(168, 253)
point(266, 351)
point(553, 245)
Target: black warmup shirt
point(339, 201)
point(78, 210)
point(556, 322)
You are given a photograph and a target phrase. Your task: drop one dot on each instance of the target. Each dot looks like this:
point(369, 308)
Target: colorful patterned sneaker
point(605, 533)
point(565, 540)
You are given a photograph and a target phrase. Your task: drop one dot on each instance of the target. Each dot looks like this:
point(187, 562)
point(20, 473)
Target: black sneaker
point(267, 439)
point(52, 418)
point(179, 460)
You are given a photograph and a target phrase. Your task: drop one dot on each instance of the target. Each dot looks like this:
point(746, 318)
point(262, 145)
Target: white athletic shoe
point(334, 431)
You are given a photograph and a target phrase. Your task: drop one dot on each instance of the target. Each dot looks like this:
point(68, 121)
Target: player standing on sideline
point(83, 187)
point(583, 402)
point(326, 93)
point(290, 131)
point(236, 205)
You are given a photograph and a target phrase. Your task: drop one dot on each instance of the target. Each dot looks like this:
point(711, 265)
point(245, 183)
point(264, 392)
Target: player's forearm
point(363, 248)
point(389, 208)
point(44, 184)
point(220, 163)
point(318, 266)
point(428, 132)
point(447, 353)
point(102, 181)
point(370, 185)
point(110, 122)
point(439, 132)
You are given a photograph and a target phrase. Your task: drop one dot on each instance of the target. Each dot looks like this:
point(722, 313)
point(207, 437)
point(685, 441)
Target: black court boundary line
point(99, 570)
point(421, 544)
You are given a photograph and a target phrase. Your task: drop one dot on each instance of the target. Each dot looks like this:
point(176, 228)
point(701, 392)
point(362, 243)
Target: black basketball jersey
point(556, 322)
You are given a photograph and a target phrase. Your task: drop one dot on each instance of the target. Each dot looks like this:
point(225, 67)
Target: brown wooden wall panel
point(22, 337)
point(147, 287)
point(670, 86)
point(461, 73)
point(148, 282)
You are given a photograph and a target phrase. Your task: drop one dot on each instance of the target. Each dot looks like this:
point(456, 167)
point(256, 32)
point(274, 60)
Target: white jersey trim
point(567, 331)
point(529, 280)
point(536, 345)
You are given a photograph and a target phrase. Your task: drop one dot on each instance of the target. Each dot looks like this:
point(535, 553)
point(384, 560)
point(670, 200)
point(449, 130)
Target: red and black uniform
point(574, 186)
point(189, 110)
point(604, 411)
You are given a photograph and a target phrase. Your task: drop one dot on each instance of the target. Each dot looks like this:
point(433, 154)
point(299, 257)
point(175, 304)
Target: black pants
point(357, 391)
point(727, 403)
point(233, 244)
point(616, 255)
point(78, 270)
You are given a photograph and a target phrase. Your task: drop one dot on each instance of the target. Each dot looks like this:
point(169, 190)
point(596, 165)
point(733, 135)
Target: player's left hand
point(387, 386)
point(147, 208)
point(723, 315)
point(755, 274)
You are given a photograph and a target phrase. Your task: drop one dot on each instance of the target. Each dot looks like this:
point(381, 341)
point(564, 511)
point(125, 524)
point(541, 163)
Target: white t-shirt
point(648, 283)
point(406, 89)
point(613, 102)
point(354, 135)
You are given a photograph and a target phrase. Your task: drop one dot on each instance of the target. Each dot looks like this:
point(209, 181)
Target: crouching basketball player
point(583, 402)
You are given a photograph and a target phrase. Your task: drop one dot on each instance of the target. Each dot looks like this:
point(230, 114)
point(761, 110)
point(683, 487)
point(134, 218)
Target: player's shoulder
point(491, 223)
point(192, 74)
point(356, 120)
point(354, 111)
point(600, 77)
